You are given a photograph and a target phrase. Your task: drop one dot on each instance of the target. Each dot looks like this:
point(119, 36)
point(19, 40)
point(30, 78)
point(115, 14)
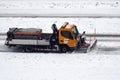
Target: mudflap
point(88, 48)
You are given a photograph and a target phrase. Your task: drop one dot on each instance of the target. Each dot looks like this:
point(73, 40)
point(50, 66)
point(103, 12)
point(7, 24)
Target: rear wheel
point(27, 49)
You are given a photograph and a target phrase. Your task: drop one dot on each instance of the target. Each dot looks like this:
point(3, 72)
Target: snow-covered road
point(108, 46)
point(102, 63)
point(34, 66)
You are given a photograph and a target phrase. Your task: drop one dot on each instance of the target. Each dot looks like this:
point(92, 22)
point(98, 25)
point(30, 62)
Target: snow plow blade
point(88, 48)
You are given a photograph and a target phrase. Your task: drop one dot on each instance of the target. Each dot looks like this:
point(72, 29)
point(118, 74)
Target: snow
point(109, 8)
point(107, 47)
point(60, 12)
point(58, 4)
point(102, 25)
point(102, 63)
point(22, 66)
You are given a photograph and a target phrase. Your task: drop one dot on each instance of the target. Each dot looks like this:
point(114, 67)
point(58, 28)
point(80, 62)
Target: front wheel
point(63, 49)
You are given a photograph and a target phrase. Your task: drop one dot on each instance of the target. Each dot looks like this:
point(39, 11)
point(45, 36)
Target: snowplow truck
point(64, 39)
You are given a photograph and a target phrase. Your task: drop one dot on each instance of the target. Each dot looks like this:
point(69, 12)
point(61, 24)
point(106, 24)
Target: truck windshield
point(75, 32)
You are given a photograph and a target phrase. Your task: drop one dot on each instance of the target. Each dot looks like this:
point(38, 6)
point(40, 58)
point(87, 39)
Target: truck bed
point(27, 33)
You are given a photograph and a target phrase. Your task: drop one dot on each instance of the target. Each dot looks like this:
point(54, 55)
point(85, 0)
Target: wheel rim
point(64, 49)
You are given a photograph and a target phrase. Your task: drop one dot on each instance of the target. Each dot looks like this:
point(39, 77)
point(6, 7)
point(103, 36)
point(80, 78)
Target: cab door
point(67, 38)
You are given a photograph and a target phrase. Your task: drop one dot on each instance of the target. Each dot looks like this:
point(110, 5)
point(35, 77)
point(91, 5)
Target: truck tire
point(26, 49)
point(63, 49)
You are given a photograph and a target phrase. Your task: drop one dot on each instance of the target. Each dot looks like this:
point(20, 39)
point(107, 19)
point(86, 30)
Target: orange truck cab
point(68, 37)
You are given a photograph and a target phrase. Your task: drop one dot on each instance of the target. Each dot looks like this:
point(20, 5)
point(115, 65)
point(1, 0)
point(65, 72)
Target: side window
point(66, 34)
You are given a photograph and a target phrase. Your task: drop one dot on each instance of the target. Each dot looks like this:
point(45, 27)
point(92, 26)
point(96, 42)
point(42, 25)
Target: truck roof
point(70, 26)
point(67, 26)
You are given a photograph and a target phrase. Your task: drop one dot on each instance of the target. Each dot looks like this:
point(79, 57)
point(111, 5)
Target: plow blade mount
point(88, 48)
